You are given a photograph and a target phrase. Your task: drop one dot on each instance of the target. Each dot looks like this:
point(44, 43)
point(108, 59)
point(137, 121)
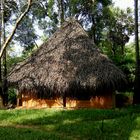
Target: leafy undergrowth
point(82, 124)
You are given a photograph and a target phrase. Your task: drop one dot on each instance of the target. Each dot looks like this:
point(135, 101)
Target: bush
point(123, 99)
point(12, 97)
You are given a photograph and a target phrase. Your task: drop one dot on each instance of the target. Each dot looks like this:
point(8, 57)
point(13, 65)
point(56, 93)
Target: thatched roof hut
point(68, 58)
point(68, 61)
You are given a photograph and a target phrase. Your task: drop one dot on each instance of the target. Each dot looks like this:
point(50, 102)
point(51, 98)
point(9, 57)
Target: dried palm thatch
point(68, 59)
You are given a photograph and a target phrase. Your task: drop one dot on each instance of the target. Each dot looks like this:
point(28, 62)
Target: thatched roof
point(68, 58)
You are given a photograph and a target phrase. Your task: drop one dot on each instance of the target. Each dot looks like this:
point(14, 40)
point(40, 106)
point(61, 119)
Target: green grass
point(83, 124)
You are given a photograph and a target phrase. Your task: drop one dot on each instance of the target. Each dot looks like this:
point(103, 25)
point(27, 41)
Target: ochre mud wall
point(94, 102)
point(29, 100)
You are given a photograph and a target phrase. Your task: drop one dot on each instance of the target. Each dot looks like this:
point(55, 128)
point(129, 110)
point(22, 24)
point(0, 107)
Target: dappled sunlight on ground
point(135, 134)
point(82, 124)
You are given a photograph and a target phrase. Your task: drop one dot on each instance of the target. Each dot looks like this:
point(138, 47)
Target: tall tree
point(7, 8)
point(119, 26)
point(4, 85)
point(136, 98)
point(2, 19)
point(61, 10)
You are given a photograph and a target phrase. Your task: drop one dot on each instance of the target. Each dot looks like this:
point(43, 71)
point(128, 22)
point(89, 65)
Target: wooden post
point(114, 99)
point(17, 93)
point(64, 100)
point(1, 102)
point(19, 98)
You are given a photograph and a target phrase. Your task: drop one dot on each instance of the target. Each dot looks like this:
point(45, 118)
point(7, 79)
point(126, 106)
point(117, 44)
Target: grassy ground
point(84, 124)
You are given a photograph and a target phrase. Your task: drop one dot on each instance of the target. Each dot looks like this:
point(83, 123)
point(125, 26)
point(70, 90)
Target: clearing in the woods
point(82, 124)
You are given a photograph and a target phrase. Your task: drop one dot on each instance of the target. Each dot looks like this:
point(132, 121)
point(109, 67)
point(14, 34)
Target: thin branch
point(15, 27)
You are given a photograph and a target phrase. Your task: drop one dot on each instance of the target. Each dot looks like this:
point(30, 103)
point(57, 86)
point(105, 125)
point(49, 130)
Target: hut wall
point(105, 101)
point(29, 100)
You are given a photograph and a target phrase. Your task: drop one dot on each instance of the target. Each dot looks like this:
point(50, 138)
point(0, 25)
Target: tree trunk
point(61, 11)
point(93, 35)
point(4, 81)
point(64, 100)
point(1, 93)
point(5, 87)
point(70, 12)
point(136, 97)
point(1, 34)
point(0, 59)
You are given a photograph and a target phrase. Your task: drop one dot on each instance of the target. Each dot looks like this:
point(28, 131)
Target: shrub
point(12, 97)
point(123, 99)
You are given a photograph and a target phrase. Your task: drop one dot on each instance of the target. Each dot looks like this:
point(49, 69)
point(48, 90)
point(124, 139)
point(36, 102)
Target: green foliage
point(50, 7)
point(12, 97)
point(124, 99)
point(125, 62)
point(25, 34)
point(121, 26)
point(11, 61)
point(97, 14)
point(10, 7)
point(39, 9)
point(94, 13)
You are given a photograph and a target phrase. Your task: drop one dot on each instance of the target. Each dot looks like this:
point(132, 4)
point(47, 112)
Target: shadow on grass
point(13, 133)
point(79, 124)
